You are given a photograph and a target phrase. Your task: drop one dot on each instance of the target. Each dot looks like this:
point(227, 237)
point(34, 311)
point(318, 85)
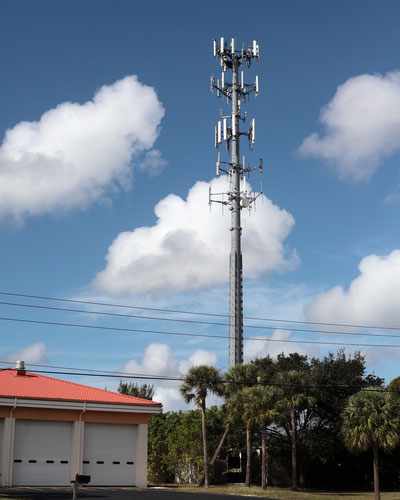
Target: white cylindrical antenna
point(219, 132)
point(243, 162)
point(256, 49)
point(217, 89)
point(257, 85)
point(223, 81)
point(233, 45)
point(218, 165)
point(215, 48)
point(253, 130)
point(222, 44)
point(242, 80)
point(234, 131)
point(225, 129)
point(215, 136)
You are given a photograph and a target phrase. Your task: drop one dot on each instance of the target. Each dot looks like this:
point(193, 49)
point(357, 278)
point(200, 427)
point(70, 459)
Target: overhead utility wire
point(89, 373)
point(185, 334)
point(195, 313)
point(178, 320)
point(69, 368)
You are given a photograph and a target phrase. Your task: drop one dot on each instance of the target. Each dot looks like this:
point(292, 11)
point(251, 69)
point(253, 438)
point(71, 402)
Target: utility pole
point(227, 130)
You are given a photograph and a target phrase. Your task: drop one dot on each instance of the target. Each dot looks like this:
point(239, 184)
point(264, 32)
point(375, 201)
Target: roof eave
point(79, 405)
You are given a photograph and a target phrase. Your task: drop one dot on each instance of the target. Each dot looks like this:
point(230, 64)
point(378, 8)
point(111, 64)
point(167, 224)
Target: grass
point(285, 494)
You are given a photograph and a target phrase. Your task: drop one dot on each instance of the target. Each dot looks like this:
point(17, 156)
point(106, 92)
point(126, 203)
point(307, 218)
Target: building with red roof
point(52, 429)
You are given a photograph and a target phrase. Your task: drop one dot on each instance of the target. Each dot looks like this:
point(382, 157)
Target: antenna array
point(238, 197)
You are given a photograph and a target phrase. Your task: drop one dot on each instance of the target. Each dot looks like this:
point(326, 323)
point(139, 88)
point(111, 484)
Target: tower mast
point(237, 198)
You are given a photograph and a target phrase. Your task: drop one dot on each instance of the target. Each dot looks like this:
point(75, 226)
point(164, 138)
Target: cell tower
point(227, 130)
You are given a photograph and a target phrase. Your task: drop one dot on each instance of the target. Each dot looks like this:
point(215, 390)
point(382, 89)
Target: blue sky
point(64, 53)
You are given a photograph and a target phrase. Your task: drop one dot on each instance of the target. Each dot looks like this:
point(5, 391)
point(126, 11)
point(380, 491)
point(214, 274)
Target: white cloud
point(393, 198)
point(153, 163)
point(160, 359)
point(75, 153)
point(34, 353)
point(198, 358)
point(361, 126)
point(188, 247)
point(371, 298)
point(262, 348)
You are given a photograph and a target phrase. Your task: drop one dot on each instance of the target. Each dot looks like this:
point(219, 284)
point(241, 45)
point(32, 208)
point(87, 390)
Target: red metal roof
point(37, 386)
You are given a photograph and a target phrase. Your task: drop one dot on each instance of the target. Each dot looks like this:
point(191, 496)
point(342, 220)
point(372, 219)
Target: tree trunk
point(216, 452)
point(264, 460)
point(220, 444)
point(205, 451)
point(294, 448)
point(377, 493)
point(248, 452)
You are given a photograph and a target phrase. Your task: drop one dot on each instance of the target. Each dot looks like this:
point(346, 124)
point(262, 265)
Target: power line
point(178, 320)
point(185, 334)
point(197, 313)
point(143, 376)
point(117, 373)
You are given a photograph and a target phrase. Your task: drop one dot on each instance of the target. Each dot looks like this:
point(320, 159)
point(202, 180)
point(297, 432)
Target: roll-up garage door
point(1, 446)
point(42, 453)
point(110, 454)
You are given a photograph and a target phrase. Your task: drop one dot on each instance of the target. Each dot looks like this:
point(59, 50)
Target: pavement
point(110, 494)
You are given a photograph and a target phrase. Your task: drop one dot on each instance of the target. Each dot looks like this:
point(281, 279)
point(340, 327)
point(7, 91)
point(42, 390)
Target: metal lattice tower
point(227, 130)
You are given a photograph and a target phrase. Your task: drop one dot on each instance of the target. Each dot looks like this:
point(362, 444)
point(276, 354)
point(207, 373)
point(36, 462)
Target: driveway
point(111, 494)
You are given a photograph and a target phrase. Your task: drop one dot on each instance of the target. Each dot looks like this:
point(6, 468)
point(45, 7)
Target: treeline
point(295, 420)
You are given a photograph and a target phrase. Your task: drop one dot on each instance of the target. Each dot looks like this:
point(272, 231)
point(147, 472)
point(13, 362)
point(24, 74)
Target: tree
point(294, 400)
point(251, 405)
point(198, 383)
point(394, 386)
point(371, 422)
point(145, 391)
point(240, 376)
point(265, 416)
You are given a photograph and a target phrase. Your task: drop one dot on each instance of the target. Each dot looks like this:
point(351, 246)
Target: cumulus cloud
point(361, 126)
point(276, 345)
point(198, 358)
point(371, 298)
point(153, 163)
point(75, 153)
point(188, 247)
point(160, 359)
point(34, 353)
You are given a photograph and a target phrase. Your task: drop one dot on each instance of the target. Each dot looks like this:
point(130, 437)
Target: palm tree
point(295, 398)
point(240, 376)
point(198, 383)
point(237, 377)
point(266, 415)
point(251, 405)
point(371, 422)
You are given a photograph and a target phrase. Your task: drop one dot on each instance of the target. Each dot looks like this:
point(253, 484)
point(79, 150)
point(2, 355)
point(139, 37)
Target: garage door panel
point(110, 454)
point(1, 441)
point(42, 453)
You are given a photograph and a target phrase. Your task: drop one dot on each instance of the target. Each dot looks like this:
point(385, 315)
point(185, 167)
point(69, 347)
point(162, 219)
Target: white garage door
point(1, 445)
point(109, 454)
point(42, 453)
